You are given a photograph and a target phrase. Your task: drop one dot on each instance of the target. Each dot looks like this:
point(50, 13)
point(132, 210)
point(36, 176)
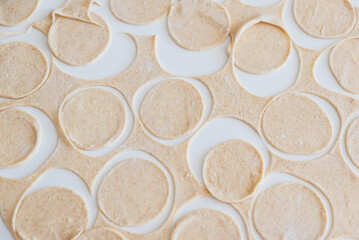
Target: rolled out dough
point(100, 234)
point(13, 12)
point(352, 141)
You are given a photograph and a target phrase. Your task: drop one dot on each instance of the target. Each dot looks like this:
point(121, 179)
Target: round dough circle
point(133, 193)
point(324, 18)
point(100, 234)
point(262, 48)
point(93, 118)
point(230, 165)
point(171, 109)
point(198, 25)
point(289, 211)
point(139, 11)
point(23, 69)
point(16, 11)
point(205, 224)
point(51, 213)
point(18, 136)
point(303, 129)
point(78, 43)
point(351, 141)
point(345, 65)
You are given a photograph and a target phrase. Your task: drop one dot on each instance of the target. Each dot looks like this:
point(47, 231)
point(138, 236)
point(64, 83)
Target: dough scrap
point(289, 211)
point(205, 224)
point(51, 213)
point(15, 12)
point(232, 171)
point(139, 11)
point(303, 129)
point(344, 63)
point(18, 136)
point(352, 140)
point(262, 48)
point(171, 109)
point(324, 18)
point(198, 25)
point(23, 69)
point(93, 118)
point(133, 193)
point(100, 234)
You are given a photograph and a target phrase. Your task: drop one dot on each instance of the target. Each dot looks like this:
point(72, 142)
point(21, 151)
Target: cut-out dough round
point(100, 234)
point(76, 42)
point(23, 69)
point(51, 213)
point(198, 25)
point(344, 63)
point(289, 211)
point(171, 109)
point(133, 193)
point(139, 11)
point(303, 129)
point(16, 11)
point(324, 18)
point(93, 118)
point(18, 136)
point(232, 171)
point(262, 48)
point(352, 141)
point(205, 224)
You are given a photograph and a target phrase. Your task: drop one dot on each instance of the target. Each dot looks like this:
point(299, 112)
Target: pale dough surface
point(232, 170)
point(171, 109)
point(303, 129)
point(100, 234)
point(198, 25)
point(13, 12)
point(51, 213)
point(133, 193)
point(93, 118)
point(205, 224)
point(352, 141)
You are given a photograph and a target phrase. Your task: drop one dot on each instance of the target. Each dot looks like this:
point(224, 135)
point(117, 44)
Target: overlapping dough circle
point(171, 109)
point(232, 170)
point(133, 193)
point(51, 213)
point(100, 234)
point(18, 136)
point(289, 211)
point(198, 25)
point(205, 224)
point(23, 69)
point(303, 129)
point(93, 118)
point(352, 141)
point(16, 11)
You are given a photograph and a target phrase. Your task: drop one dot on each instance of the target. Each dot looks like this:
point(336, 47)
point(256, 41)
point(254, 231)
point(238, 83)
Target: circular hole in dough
point(139, 11)
point(289, 211)
point(100, 234)
point(23, 69)
point(18, 136)
point(78, 43)
point(352, 140)
point(295, 124)
point(133, 193)
point(324, 18)
point(198, 25)
point(16, 11)
point(205, 224)
point(232, 171)
point(262, 48)
point(93, 118)
point(51, 213)
point(171, 109)
point(344, 63)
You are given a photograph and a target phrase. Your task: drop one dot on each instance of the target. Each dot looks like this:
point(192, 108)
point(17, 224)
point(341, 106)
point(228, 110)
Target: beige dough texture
point(51, 213)
point(93, 118)
point(352, 141)
point(289, 211)
point(344, 63)
point(324, 18)
point(14, 12)
point(139, 11)
point(171, 109)
point(303, 129)
point(18, 136)
point(133, 193)
point(262, 48)
point(205, 224)
point(232, 171)
point(100, 234)
point(198, 25)
point(23, 69)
